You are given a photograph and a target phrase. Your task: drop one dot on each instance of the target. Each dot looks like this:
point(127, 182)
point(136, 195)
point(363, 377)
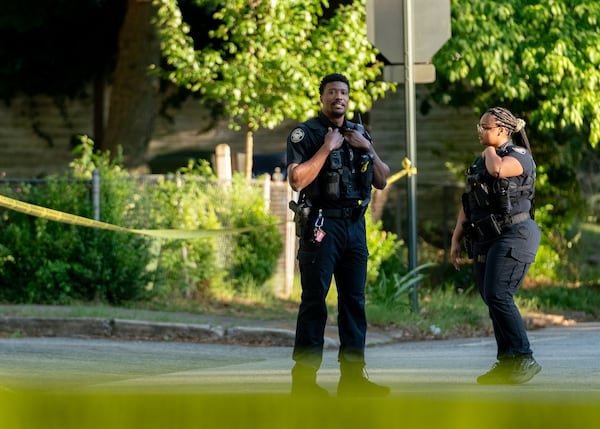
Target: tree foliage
point(272, 55)
point(543, 55)
point(268, 56)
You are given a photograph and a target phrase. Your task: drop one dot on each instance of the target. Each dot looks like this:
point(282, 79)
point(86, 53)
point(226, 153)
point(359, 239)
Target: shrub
point(43, 261)
point(387, 280)
point(50, 262)
point(384, 247)
point(194, 199)
point(392, 290)
point(184, 201)
point(254, 252)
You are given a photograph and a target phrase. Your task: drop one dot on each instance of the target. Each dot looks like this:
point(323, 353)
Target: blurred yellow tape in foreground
point(58, 216)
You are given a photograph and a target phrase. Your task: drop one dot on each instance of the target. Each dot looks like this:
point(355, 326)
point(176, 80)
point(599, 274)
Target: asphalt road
point(569, 355)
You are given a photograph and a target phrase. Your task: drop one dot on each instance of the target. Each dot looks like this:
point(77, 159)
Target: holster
point(469, 234)
point(488, 228)
point(359, 212)
point(301, 211)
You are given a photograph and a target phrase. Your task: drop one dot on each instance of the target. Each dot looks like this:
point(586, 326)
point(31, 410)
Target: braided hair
point(512, 124)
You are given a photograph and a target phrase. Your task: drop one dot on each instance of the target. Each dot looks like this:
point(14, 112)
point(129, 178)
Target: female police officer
point(496, 220)
point(333, 164)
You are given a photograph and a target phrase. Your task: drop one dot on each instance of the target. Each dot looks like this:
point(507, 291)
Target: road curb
point(54, 327)
point(124, 329)
point(143, 330)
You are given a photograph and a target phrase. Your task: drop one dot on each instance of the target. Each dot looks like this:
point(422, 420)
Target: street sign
point(385, 28)
point(423, 73)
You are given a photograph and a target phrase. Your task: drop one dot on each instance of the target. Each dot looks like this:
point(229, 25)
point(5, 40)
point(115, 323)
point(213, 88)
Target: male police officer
point(332, 163)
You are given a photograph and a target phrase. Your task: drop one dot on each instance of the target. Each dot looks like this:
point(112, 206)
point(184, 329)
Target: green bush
point(255, 252)
point(392, 290)
point(193, 199)
point(385, 267)
point(44, 261)
point(384, 248)
point(184, 201)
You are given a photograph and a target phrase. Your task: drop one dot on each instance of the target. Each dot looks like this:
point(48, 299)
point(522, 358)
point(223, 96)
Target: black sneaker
point(524, 369)
point(498, 374)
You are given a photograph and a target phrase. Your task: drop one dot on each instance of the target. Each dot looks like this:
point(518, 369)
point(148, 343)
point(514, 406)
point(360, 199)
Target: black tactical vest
point(502, 197)
point(346, 177)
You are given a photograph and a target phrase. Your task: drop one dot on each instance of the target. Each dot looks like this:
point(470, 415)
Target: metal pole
point(411, 153)
point(96, 193)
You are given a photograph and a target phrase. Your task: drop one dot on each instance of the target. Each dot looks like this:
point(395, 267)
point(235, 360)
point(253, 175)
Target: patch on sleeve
point(297, 135)
point(520, 150)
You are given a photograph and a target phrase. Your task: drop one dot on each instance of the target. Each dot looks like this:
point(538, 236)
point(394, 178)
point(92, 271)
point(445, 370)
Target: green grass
point(579, 296)
point(557, 299)
point(452, 313)
point(176, 312)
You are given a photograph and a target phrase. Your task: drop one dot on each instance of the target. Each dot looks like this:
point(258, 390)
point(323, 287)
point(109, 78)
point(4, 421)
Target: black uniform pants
point(342, 254)
point(500, 267)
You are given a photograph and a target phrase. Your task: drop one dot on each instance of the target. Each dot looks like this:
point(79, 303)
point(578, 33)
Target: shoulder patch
point(520, 150)
point(297, 135)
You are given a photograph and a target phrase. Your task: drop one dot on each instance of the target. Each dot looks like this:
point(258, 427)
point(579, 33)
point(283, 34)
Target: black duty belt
point(517, 218)
point(341, 213)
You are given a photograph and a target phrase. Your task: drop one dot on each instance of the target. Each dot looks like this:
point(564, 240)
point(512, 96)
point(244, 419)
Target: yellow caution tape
point(409, 170)
point(58, 216)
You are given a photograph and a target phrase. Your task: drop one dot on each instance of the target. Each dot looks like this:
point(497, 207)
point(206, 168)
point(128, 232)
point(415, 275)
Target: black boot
point(304, 382)
point(353, 381)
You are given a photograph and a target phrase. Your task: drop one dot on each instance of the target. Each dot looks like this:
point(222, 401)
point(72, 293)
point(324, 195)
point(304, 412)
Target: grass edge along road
point(24, 410)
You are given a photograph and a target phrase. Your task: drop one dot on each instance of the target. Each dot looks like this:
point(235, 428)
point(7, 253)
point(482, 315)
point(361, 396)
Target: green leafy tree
point(268, 56)
point(542, 53)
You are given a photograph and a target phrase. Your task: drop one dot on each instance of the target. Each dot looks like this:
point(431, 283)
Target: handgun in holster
point(469, 235)
point(301, 211)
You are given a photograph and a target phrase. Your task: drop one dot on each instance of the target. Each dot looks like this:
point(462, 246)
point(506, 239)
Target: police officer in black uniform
point(333, 164)
point(496, 219)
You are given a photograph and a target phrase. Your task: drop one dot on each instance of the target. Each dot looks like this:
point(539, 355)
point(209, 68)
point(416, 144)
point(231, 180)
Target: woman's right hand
point(456, 254)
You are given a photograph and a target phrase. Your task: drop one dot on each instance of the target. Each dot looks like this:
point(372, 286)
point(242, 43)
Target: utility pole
point(411, 151)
